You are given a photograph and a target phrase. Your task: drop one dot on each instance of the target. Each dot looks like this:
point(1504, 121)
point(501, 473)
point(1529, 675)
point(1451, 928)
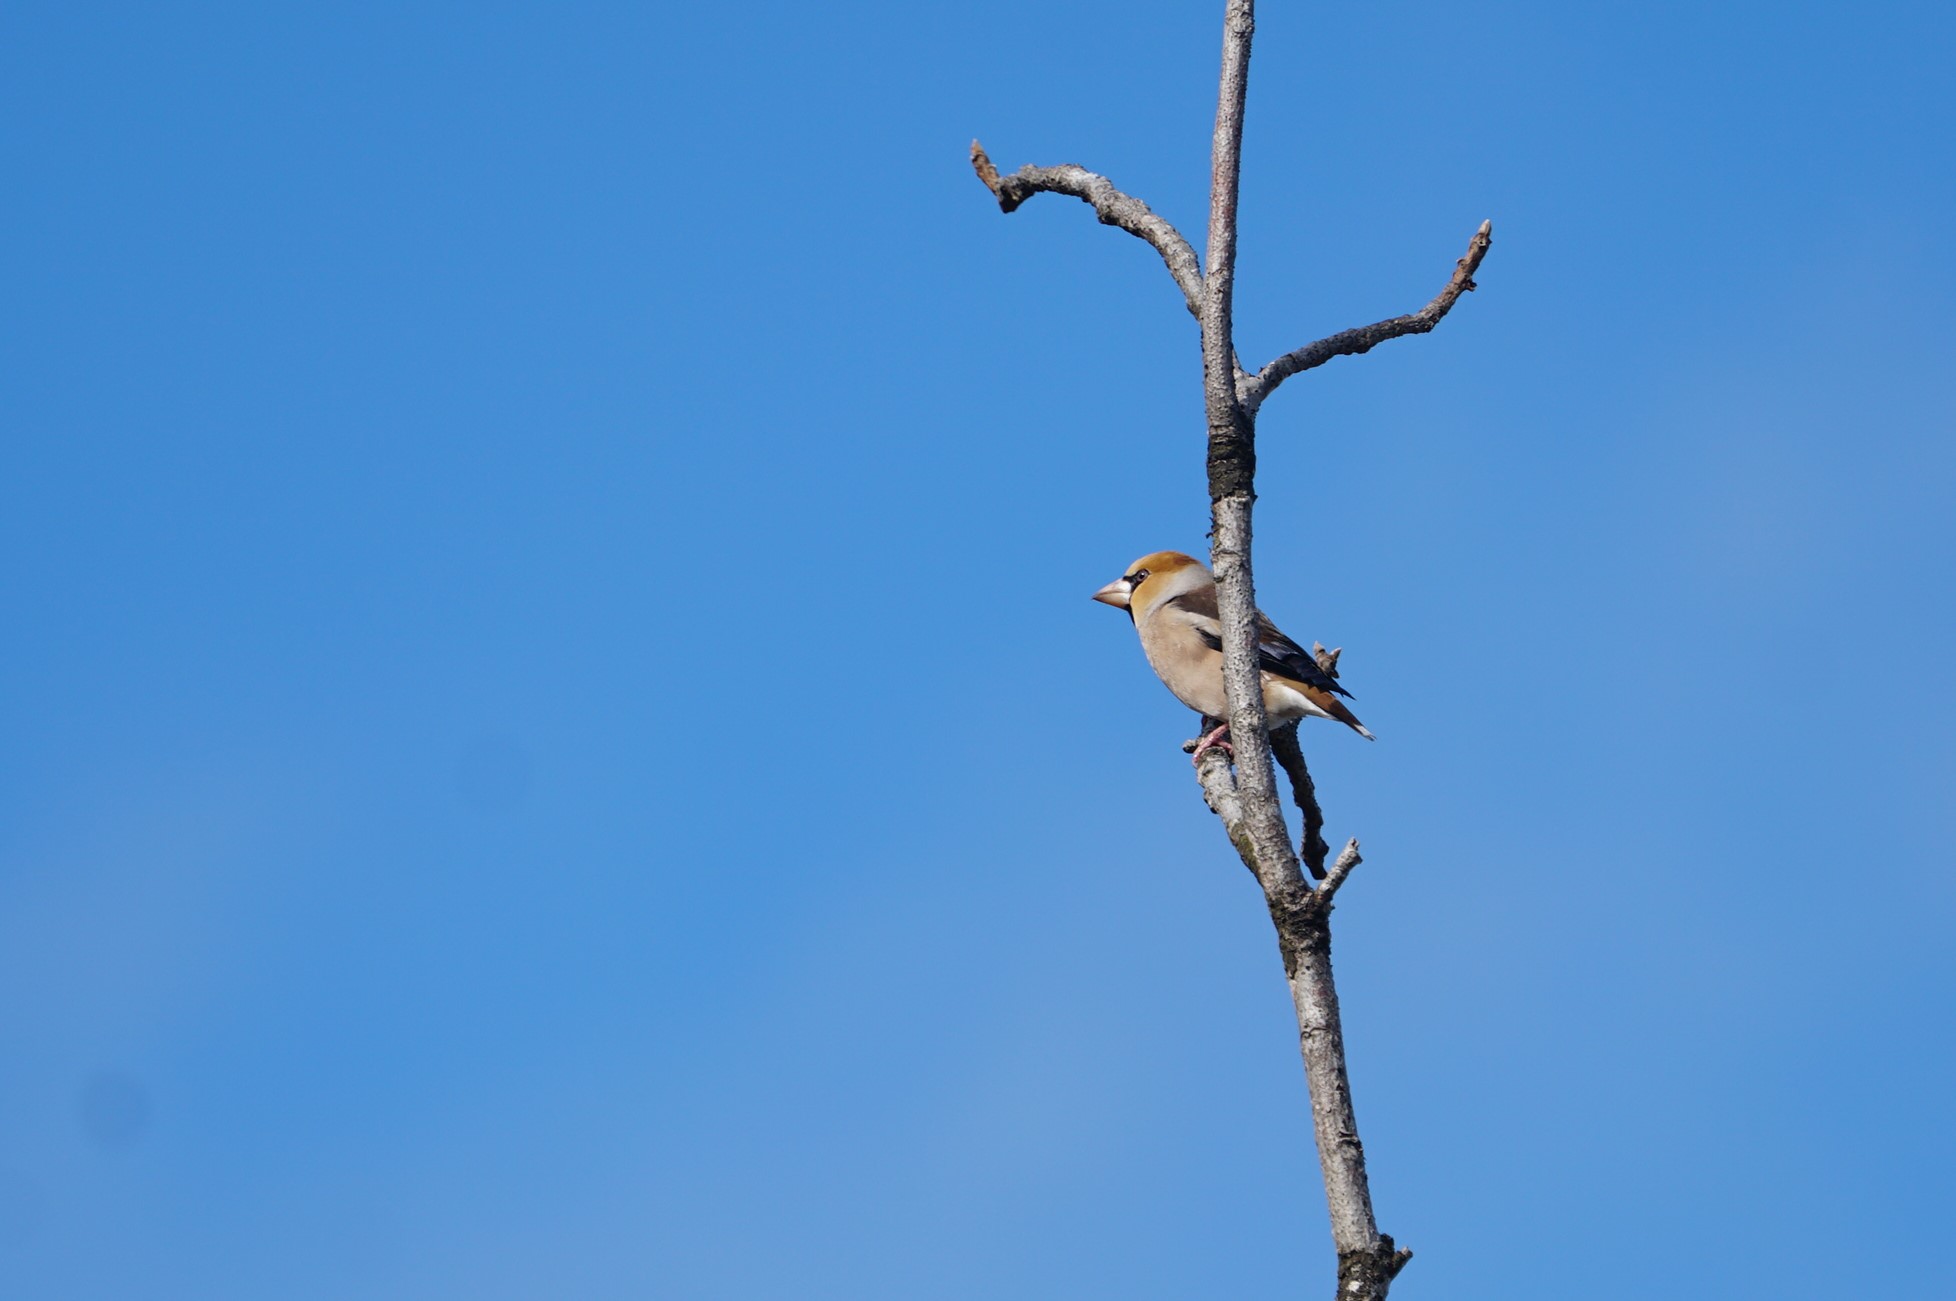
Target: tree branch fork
point(1116, 208)
point(1241, 789)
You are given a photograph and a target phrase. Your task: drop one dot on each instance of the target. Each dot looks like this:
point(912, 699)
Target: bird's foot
point(1213, 741)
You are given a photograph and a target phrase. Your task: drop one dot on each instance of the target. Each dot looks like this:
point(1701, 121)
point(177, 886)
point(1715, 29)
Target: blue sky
point(554, 744)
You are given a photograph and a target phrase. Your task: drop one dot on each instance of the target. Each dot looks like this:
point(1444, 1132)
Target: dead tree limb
point(1364, 338)
point(1109, 204)
point(1303, 793)
point(1243, 791)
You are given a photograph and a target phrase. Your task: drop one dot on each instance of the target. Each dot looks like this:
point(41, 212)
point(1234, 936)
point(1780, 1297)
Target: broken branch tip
point(981, 163)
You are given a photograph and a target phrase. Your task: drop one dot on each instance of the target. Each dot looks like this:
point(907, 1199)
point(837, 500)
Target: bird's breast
point(1185, 664)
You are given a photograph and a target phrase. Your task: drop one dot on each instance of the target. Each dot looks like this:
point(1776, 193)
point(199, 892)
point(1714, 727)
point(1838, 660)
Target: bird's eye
point(1135, 579)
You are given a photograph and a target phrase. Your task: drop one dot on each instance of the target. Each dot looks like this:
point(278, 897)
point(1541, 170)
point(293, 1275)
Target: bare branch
point(1270, 860)
point(1249, 805)
point(1113, 208)
point(1232, 470)
point(1242, 787)
point(1290, 757)
point(1367, 1259)
point(1260, 834)
point(1220, 794)
point(1347, 859)
point(1304, 936)
point(1367, 337)
point(1225, 175)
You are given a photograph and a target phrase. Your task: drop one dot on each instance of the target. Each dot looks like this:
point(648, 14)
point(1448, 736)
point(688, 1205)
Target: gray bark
point(1301, 915)
point(1243, 790)
point(1109, 204)
point(1290, 756)
point(1364, 338)
point(1232, 469)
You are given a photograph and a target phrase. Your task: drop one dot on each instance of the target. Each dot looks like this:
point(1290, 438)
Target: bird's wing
point(1275, 652)
point(1279, 654)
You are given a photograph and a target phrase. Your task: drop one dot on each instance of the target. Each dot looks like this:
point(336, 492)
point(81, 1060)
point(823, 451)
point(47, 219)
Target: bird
point(1172, 599)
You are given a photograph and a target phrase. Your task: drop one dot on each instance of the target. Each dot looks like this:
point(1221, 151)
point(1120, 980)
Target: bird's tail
point(1336, 708)
point(1330, 706)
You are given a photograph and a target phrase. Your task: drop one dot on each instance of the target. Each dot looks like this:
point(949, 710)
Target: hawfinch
point(1172, 600)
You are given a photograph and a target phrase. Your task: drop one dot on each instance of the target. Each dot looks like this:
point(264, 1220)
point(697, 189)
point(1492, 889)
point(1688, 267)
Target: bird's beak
point(1115, 594)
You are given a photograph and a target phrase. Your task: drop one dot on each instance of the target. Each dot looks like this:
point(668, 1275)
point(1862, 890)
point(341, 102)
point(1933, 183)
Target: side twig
point(1109, 204)
point(1304, 791)
point(1349, 343)
point(1348, 858)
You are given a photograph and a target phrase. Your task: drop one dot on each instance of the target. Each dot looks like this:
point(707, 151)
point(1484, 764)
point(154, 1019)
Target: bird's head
point(1152, 579)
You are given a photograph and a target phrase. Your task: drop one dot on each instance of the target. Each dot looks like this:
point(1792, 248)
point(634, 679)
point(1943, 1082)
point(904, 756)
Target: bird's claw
point(1213, 741)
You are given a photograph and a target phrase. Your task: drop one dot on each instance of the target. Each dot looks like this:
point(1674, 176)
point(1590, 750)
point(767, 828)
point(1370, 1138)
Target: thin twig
point(1347, 859)
point(1113, 208)
point(1304, 791)
point(1367, 337)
